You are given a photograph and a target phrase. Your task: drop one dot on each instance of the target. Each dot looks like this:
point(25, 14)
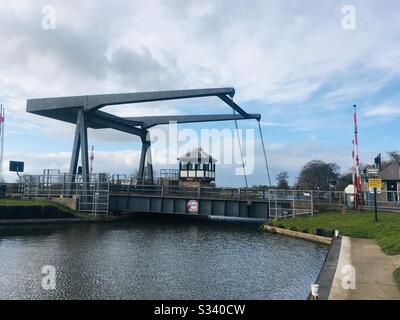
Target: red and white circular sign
point(193, 206)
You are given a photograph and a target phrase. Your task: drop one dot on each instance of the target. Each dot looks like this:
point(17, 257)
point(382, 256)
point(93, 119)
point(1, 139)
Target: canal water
point(153, 259)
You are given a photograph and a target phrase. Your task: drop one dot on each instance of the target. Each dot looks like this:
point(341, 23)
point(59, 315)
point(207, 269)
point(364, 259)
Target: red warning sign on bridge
point(193, 206)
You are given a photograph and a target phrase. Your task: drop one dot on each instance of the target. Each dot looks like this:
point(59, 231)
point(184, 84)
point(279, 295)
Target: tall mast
point(357, 184)
point(353, 175)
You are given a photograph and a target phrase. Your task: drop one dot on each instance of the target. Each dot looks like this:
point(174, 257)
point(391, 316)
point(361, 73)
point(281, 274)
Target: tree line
point(319, 175)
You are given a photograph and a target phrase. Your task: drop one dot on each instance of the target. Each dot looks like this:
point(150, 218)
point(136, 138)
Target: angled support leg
point(84, 145)
point(74, 157)
point(84, 157)
point(142, 164)
point(149, 162)
point(146, 154)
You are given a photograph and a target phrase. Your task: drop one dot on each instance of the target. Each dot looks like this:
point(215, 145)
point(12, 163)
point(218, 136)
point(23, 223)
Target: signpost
point(375, 184)
point(17, 166)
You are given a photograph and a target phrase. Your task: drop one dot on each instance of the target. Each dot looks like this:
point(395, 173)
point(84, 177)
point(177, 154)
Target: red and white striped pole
point(357, 182)
point(353, 176)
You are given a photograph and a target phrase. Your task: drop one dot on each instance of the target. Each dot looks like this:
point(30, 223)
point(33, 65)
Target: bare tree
point(282, 180)
point(394, 156)
point(318, 175)
point(344, 180)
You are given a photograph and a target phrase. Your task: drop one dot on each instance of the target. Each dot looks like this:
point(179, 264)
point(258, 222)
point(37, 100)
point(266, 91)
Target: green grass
point(19, 202)
point(358, 225)
point(396, 276)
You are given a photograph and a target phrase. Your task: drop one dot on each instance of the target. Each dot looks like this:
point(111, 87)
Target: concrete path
point(372, 276)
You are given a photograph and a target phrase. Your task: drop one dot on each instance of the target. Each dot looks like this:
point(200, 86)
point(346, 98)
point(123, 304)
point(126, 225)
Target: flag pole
point(357, 185)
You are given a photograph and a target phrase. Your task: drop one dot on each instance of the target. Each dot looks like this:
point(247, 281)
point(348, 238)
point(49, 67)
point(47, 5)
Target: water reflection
point(150, 259)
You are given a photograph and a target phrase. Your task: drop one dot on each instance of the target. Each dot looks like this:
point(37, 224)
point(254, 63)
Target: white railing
point(91, 191)
point(289, 203)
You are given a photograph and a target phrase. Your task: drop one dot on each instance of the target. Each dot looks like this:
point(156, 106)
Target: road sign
point(193, 206)
point(16, 166)
point(372, 171)
point(375, 183)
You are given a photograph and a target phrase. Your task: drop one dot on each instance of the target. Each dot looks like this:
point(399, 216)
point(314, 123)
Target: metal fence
point(386, 200)
point(91, 192)
point(289, 203)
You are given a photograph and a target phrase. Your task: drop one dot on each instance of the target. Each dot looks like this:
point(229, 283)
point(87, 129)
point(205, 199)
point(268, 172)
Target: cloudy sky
point(291, 61)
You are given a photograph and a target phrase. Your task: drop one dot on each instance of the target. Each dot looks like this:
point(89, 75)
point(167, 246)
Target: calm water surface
point(156, 260)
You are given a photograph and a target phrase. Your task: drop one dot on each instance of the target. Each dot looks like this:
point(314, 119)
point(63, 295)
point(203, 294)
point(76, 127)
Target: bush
point(396, 275)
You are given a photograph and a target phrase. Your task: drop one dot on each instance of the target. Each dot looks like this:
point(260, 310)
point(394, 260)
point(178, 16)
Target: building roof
point(197, 156)
point(391, 172)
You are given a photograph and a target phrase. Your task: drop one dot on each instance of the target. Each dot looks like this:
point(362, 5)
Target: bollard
point(314, 291)
point(336, 233)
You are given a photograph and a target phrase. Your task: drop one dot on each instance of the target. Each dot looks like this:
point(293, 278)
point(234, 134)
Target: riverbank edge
point(328, 270)
point(298, 235)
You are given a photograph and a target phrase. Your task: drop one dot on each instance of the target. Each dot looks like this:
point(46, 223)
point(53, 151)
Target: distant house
point(390, 176)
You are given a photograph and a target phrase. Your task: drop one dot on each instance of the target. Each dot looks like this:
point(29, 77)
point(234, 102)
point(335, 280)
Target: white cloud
point(123, 161)
point(383, 111)
point(278, 52)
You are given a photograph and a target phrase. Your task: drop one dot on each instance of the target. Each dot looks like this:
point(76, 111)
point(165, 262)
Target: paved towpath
point(373, 272)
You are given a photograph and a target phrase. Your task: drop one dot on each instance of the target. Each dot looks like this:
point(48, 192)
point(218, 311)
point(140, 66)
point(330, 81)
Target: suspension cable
point(240, 145)
point(265, 153)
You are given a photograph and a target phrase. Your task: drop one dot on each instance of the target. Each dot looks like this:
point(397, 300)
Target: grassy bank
point(396, 275)
point(32, 203)
point(359, 225)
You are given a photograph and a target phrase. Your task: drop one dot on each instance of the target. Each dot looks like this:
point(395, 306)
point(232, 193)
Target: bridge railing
point(289, 203)
point(91, 192)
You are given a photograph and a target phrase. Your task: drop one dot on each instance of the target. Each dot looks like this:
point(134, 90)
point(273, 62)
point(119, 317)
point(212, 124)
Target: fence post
point(312, 203)
point(37, 187)
point(269, 205)
point(49, 186)
point(294, 204)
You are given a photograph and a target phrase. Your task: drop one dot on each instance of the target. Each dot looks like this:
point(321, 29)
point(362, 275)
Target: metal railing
point(284, 204)
point(91, 192)
point(169, 173)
